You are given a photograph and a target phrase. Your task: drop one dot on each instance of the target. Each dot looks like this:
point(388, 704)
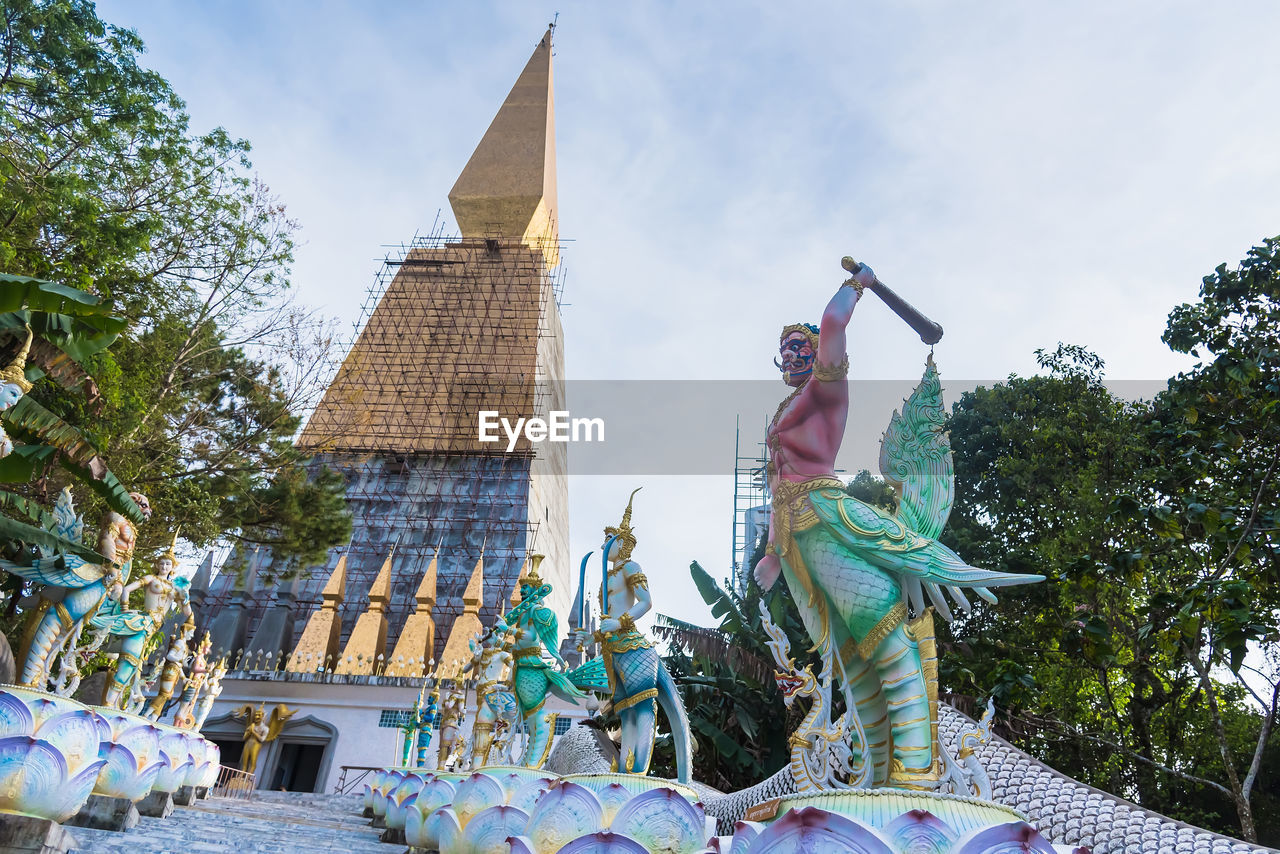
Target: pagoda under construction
point(442, 522)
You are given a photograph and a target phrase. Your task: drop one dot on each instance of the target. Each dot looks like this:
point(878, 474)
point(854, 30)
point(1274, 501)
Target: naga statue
point(496, 708)
point(534, 678)
point(73, 589)
point(175, 660)
point(628, 668)
point(452, 711)
point(860, 574)
point(133, 629)
point(13, 385)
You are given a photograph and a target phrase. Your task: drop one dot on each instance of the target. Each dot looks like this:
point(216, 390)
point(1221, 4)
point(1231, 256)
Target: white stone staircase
point(270, 823)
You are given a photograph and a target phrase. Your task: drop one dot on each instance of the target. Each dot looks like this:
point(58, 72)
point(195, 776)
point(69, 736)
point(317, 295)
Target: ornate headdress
point(623, 532)
point(808, 330)
point(531, 577)
point(15, 372)
point(172, 552)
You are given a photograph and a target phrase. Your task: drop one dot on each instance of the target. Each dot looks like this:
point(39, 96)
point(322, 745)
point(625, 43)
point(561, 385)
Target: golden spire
point(368, 638)
point(467, 625)
point(508, 187)
point(533, 579)
point(318, 645)
point(626, 537)
point(172, 553)
point(417, 641)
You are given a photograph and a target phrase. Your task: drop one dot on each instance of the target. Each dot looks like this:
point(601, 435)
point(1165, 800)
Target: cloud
point(1023, 173)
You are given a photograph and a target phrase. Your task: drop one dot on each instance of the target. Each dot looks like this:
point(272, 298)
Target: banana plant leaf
point(12, 529)
point(37, 426)
point(18, 292)
point(79, 336)
point(31, 509)
point(107, 486)
point(22, 464)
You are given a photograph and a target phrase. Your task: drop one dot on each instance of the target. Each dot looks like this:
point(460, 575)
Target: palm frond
point(714, 644)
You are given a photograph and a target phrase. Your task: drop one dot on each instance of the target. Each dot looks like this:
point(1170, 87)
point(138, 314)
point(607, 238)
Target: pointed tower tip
point(426, 594)
point(474, 594)
point(508, 187)
point(335, 588)
point(380, 590)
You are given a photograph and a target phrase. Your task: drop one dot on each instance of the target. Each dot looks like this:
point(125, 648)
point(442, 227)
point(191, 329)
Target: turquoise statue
point(426, 725)
point(417, 731)
point(858, 573)
point(629, 669)
point(133, 629)
point(536, 629)
point(72, 589)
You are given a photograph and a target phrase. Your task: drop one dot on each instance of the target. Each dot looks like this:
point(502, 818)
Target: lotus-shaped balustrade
point(542, 814)
point(917, 831)
point(445, 807)
point(213, 755)
point(391, 778)
point(435, 794)
point(49, 753)
point(198, 751)
point(132, 755)
point(404, 794)
point(526, 811)
point(890, 821)
point(619, 812)
point(374, 782)
point(176, 753)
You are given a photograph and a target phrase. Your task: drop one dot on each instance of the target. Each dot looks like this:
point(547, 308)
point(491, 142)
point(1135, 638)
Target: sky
point(1024, 173)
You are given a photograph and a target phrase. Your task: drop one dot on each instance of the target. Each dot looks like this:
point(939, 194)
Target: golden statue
point(258, 730)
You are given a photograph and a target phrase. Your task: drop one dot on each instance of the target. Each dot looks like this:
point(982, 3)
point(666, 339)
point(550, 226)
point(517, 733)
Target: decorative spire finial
point(623, 532)
point(15, 371)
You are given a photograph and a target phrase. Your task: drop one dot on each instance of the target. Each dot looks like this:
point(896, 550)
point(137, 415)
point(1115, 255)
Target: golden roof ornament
point(172, 552)
point(626, 537)
point(532, 578)
point(15, 371)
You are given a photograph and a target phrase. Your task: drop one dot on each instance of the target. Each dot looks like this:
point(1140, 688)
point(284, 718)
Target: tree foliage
point(104, 187)
point(1146, 664)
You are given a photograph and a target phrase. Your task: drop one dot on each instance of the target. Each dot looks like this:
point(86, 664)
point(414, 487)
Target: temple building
point(442, 522)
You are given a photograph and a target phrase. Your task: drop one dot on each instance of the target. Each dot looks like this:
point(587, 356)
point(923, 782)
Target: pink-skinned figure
point(859, 574)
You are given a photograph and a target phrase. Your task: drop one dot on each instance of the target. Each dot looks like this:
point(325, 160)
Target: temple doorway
point(297, 767)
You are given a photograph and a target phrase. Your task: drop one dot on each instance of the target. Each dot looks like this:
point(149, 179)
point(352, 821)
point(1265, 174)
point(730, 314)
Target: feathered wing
point(66, 570)
point(915, 456)
point(548, 629)
point(279, 717)
point(591, 676)
point(921, 564)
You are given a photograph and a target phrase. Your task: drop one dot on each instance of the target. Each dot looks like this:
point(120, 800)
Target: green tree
point(1127, 669)
point(104, 186)
point(725, 675)
point(1211, 516)
point(1038, 461)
